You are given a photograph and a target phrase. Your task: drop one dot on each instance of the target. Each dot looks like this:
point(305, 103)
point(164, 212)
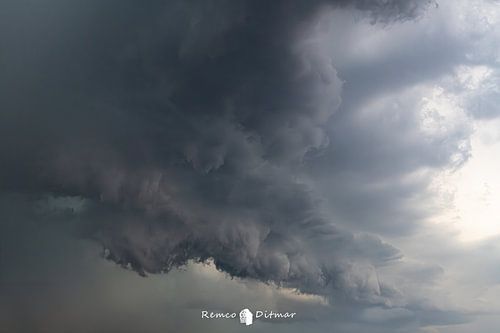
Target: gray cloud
point(190, 131)
point(192, 118)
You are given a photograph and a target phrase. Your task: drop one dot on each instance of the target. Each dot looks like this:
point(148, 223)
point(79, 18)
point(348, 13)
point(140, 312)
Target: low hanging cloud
point(184, 127)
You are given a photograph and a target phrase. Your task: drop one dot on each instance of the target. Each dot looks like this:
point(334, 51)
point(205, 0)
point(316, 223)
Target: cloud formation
point(226, 131)
point(184, 125)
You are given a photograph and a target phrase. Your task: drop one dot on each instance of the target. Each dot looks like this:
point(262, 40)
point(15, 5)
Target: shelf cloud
point(245, 134)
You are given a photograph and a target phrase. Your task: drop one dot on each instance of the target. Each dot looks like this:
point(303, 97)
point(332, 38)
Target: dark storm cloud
point(184, 125)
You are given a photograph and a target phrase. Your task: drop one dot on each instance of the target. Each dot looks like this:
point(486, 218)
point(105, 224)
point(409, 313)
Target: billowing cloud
point(185, 126)
point(249, 135)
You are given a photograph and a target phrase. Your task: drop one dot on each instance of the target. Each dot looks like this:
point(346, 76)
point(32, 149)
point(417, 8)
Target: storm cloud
point(184, 124)
point(240, 134)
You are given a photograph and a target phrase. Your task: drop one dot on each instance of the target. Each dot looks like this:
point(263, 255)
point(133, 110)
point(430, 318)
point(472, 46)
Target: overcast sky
point(338, 159)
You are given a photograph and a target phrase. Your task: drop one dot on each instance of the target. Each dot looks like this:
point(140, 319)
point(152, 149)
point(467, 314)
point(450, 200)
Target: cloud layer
point(186, 124)
point(248, 134)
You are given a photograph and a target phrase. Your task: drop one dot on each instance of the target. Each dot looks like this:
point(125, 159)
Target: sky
point(333, 158)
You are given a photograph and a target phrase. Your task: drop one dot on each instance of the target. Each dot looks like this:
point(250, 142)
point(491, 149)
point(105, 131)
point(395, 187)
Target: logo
point(246, 317)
